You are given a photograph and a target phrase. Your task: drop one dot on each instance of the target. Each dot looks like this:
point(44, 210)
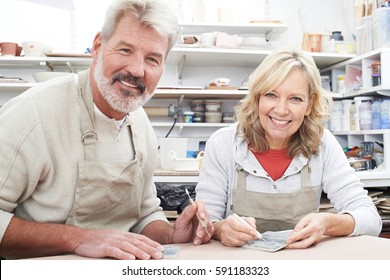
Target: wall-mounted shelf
point(197, 93)
point(233, 28)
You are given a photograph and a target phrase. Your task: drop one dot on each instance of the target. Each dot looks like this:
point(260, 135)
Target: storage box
point(381, 28)
point(333, 46)
point(364, 36)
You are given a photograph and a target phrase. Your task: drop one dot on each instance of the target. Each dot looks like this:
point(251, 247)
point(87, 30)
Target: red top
point(274, 162)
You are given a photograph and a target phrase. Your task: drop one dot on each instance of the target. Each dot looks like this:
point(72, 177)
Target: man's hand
point(117, 244)
point(188, 228)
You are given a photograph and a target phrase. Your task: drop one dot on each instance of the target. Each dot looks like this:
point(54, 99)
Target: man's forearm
point(159, 231)
point(24, 239)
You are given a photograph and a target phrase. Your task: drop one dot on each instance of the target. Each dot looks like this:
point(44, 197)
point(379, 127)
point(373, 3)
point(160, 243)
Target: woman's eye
point(270, 95)
point(296, 99)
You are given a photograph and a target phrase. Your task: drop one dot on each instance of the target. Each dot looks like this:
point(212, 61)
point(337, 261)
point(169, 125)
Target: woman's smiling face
point(281, 111)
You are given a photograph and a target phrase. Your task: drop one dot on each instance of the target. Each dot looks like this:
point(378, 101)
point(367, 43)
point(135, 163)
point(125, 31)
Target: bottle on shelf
point(365, 115)
point(337, 36)
point(385, 110)
point(376, 73)
point(376, 113)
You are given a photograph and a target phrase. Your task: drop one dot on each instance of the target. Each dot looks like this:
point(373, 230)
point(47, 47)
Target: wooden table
point(330, 248)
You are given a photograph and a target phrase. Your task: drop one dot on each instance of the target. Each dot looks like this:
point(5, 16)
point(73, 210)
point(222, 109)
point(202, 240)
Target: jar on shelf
point(365, 116)
point(337, 36)
point(385, 110)
point(188, 117)
point(341, 84)
point(376, 113)
point(376, 73)
point(352, 112)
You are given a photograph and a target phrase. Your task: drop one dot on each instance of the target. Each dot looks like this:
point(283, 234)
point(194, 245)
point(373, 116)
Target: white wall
point(65, 30)
point(23, 21)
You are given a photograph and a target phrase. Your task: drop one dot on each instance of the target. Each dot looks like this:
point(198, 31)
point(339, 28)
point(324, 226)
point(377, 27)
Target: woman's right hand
point(233, 233)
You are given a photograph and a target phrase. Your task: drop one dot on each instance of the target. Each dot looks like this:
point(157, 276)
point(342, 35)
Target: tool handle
point(241, 220)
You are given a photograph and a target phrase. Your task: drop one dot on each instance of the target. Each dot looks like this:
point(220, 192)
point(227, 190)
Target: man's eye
point(154, 60)
point(125, 51)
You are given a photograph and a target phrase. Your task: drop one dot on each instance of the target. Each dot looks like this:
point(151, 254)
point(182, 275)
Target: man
point(78, 153)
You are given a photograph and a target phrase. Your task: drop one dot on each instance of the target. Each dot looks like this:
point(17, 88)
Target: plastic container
point(228, 117)
point(336, 36)
point(365, 115)
point(198, 117)
point(364, 35)
point(381, 27)
point(213, 117)
point(376, 114)
point(346, 121)
point(333, 46)
point(341, 84)
point(385, 109)
point(376, 73)
point(213, 105)
point(358, 101)
point(188, 117)
point(197, 105)
point(352, 120)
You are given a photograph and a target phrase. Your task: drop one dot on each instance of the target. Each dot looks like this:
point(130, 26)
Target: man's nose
point(135, 66)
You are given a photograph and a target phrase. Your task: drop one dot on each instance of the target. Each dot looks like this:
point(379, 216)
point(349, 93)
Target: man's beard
point(120, 100)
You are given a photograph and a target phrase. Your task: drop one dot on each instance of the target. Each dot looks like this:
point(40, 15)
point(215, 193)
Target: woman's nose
point(281, 107)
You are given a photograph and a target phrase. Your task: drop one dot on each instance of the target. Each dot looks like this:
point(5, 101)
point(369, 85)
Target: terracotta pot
point(8, 48)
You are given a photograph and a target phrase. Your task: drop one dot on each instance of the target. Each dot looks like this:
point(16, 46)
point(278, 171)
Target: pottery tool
point(242, 221)
point(202, 223)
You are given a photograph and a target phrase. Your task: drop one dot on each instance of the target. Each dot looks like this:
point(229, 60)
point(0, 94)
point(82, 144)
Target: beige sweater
point(39, 150)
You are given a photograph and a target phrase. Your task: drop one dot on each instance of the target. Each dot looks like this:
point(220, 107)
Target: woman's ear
point(310, 106)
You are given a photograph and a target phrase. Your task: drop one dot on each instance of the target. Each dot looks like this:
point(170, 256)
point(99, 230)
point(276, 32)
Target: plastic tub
point(213, 105)
point(198, 117)
point(228, 117)
point(381, 28)
point(188, 117)
point(197, 105)
point(213, 117)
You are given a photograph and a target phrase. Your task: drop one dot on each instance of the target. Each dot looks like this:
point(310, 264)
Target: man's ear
point(97, 43)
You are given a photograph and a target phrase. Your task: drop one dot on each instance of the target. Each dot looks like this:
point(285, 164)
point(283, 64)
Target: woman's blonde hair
point(266, 78)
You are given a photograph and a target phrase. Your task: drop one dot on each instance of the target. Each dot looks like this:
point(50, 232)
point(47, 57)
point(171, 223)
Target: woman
point(274, 163)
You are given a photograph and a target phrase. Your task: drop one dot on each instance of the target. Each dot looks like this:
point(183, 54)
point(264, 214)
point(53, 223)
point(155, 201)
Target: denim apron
point(108, 195)
point(275, 211)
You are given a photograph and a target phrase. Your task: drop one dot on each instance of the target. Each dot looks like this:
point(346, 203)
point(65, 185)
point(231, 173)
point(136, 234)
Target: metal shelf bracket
point(46, 66)
point(70, 67)
point(180, 70)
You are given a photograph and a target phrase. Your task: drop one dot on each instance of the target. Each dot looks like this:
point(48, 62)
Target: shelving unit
point(248, 59)
point(372, 178)
point(363, 62)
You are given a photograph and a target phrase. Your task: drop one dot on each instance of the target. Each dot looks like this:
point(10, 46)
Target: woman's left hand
point(308, 231)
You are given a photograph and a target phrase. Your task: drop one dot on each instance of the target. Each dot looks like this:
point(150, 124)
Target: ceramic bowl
point(33, 48)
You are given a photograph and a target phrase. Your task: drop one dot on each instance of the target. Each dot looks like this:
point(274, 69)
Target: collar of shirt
point(119, 123)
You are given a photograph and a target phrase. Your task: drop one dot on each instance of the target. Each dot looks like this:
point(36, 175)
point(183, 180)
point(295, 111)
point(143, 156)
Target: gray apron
point(275, 211)
point(108, 195)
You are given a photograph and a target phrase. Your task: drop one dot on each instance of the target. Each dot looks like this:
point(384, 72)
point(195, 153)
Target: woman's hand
point(311, 228)
point(233, 233)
